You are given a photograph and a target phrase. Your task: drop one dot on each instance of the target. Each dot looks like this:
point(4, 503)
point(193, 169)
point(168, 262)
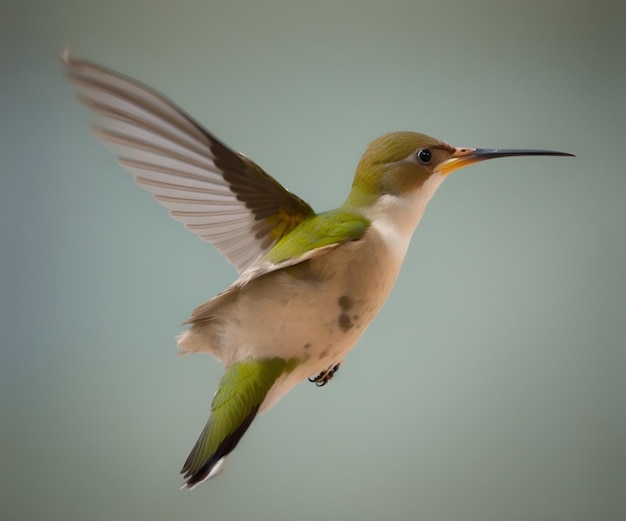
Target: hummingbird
point(309, 283)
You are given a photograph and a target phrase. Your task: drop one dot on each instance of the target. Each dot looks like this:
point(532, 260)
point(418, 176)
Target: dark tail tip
point(195, 472)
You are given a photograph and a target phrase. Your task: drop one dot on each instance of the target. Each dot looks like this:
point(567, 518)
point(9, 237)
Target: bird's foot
point(326, 375)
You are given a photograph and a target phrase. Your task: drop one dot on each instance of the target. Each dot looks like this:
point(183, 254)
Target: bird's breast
point(316, 310)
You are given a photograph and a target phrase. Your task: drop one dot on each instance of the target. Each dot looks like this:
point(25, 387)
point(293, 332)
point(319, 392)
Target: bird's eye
point(424, 155)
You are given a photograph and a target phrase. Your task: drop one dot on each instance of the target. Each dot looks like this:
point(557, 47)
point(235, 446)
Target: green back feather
point(324, 229)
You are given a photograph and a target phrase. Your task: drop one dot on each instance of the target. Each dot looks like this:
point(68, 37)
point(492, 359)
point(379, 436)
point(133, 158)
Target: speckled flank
point(345, 302)
point(344, 320)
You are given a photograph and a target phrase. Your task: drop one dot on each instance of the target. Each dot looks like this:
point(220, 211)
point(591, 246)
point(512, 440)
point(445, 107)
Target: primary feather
point(220, 195)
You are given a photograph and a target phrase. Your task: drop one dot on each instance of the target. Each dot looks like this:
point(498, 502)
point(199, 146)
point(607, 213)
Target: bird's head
point(402, 162)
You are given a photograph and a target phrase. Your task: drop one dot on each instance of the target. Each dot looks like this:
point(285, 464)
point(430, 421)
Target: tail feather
point(241, 392)
point(195, 471)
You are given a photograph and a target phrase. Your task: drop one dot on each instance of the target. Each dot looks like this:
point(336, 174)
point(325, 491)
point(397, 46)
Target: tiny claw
point(325, 376)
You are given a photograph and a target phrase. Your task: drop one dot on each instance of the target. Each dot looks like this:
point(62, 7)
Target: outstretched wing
point(221, 196)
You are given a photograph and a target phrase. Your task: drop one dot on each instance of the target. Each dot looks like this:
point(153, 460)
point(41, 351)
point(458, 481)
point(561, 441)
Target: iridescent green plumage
point(325, 229)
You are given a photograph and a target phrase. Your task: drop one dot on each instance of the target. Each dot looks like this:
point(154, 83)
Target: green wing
point(241, 392)
point(326, 229)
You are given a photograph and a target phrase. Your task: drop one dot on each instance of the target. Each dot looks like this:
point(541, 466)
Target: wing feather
point(220, 195)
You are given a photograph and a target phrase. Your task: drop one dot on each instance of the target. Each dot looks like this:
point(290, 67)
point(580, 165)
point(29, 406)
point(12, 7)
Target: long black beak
point(468, 156)
point(490, 153)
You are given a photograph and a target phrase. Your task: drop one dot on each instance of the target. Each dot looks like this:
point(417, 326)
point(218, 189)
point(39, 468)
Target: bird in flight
point(309, 283)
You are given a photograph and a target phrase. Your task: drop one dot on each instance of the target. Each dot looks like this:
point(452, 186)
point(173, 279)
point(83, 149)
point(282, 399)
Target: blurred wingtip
point(64, 55)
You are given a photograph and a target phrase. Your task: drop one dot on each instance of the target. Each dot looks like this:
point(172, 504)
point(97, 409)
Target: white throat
point(396, 217)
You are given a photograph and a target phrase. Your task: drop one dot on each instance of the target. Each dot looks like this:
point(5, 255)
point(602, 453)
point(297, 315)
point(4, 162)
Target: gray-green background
point(491, 386)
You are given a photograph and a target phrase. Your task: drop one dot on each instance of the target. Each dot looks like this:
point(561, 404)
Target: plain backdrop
point(491, 386)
